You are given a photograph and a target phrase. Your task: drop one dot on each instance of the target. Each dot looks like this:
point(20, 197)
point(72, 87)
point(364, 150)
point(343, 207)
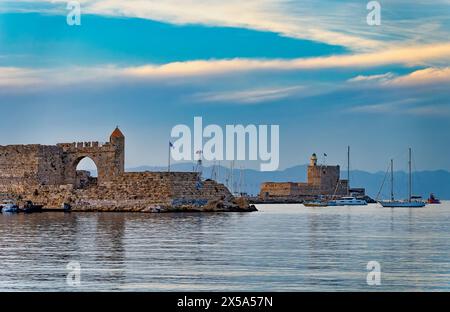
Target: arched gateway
point(108, 157)
point(47, 175)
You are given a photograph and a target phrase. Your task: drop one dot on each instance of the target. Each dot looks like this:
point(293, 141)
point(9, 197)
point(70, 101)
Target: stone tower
point(117, 139)
point(313, 160)
point(314, 171)
point(325, 177)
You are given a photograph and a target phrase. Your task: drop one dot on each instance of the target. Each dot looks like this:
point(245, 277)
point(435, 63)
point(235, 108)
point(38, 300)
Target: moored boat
point(412, 201)
point(402, 203)
point(315, 203)
point(9, 207)
point(347, 201)
point(433, 200)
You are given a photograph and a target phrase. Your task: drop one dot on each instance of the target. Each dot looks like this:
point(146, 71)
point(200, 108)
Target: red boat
point(433, 200)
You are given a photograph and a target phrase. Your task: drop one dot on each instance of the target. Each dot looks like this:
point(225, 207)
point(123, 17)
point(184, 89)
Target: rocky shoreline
point(227, 204)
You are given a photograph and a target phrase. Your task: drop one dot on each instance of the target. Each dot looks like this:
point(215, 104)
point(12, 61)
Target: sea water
point(279, 248)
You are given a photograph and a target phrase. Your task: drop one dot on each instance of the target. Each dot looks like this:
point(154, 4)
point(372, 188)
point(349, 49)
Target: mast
point(410, 176)
point(213, 172)
point(392, 180)
point(241, 177)
point(170, 156)
point(348, 170)
point(232, 176)
point(218, 172)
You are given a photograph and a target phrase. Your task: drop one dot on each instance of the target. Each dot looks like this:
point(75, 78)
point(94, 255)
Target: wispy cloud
point(372, 78)
point(385, 107)
point(412, 107)
point(18, 77)
point(425, 76)
point(334, 22)
point(410, 56)
point(252, 96)
point(267, 15)
point(13, 76)
point(442, 110)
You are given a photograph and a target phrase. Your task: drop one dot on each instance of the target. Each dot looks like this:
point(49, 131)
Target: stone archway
point(109, 158)
point(83, 178)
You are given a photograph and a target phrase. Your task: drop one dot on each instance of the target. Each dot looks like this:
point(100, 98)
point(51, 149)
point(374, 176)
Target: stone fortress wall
point(47, 175)
point(322, 180)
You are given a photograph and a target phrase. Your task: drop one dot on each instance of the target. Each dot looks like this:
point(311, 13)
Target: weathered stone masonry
point(47, 175)
point(322, 180)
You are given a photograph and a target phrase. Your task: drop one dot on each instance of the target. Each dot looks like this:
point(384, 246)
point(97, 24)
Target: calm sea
point(280, 248)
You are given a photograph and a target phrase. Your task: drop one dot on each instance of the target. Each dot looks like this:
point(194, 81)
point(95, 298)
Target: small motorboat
point(9, 207)
point(347, 201)
point(315, 203)
point(433, 200)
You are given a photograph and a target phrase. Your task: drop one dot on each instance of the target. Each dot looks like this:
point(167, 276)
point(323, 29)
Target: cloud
point(431, 110)
point(382, 108)
point(252, 96)
point(13, 76)
point(408, 56)
point(371, 78)
point(425, 76)
point(334, 22)
point(422, 77)
point(267, 15)
point(18, 77)
point(412, 107)
point(411, 56)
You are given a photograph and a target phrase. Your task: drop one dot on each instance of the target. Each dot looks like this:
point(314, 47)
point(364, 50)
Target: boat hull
point(399, 204)
point(10, 210)
point(315, 204)
point(348, 203)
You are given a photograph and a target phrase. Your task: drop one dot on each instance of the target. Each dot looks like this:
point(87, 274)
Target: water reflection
point(282, 247)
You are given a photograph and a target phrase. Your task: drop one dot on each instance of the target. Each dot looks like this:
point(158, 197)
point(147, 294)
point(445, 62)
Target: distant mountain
point(424, 182)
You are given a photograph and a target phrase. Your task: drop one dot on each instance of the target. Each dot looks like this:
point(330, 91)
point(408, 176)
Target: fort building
point(323, 180)
point(48, 175)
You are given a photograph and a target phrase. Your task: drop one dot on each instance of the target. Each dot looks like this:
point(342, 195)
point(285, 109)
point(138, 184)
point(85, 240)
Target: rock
point(241, 202)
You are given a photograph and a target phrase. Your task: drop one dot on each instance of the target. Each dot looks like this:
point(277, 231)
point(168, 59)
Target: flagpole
point(168, 168)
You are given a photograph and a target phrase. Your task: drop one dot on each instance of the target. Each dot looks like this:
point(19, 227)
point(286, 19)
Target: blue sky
point(313, 67)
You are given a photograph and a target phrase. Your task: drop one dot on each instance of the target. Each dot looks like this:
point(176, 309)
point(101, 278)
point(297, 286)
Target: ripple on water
point(282, 247)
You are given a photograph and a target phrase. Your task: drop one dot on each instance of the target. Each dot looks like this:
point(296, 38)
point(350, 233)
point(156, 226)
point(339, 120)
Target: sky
point(313, 67)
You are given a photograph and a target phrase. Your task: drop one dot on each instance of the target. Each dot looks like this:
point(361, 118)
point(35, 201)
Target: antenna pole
point(392, 180)
point(348, 170)
point(170, 156)
point(410, 176)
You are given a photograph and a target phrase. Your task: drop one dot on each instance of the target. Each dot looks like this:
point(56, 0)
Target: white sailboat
point(411, 202)
point(347, 200)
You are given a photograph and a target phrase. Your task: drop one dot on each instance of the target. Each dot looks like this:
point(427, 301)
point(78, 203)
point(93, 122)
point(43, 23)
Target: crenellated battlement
point(75, 145)
point(86, 147)
point(26, 166)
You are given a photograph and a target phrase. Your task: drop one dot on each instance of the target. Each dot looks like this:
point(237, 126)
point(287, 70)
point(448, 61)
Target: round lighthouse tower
point(313, 160)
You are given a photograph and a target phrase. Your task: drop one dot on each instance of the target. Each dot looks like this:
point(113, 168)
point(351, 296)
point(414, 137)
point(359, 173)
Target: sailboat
point(412, 201)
